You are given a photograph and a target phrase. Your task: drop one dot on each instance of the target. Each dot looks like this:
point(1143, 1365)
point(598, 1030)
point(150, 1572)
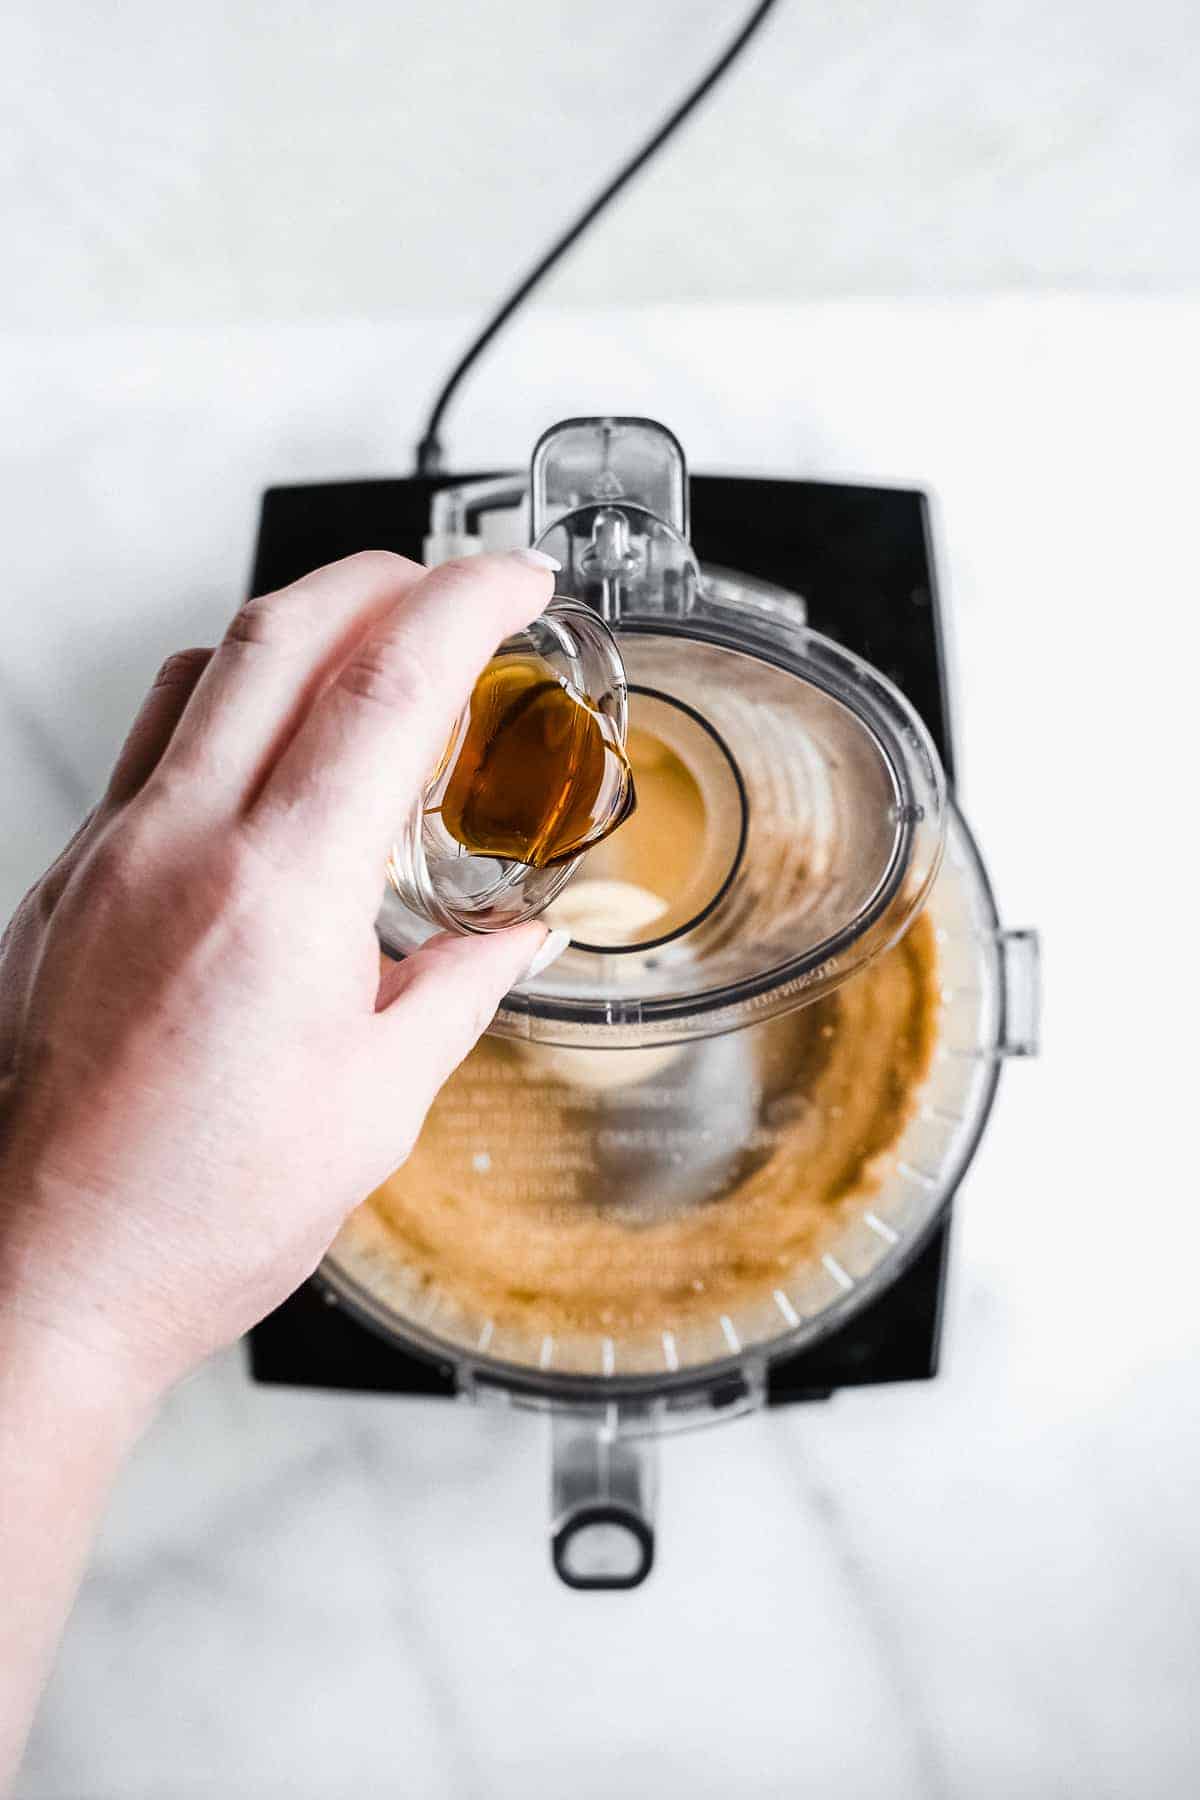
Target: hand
point(202, 1067)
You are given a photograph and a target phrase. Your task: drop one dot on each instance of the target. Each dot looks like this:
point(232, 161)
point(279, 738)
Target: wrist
point(58, 1323)
point(97, 1397)
point(63, 1354)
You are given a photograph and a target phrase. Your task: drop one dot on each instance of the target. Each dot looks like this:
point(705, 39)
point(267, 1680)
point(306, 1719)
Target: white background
point(287, 160)
point(983, 1586)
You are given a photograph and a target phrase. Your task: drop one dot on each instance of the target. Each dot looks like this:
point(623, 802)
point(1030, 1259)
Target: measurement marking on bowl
point(485, 1336)
point(839, 1274)
point(786, 1308)
point(943, 1113)
point(921, 1176)
point(547, 1353)
point(669, 1350)
point(608, 1356)
point(880, 1229)
point(731, 1336)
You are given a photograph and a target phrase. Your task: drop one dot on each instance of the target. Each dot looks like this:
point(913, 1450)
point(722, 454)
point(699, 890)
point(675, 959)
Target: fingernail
point(547, 952)
point(537, 559)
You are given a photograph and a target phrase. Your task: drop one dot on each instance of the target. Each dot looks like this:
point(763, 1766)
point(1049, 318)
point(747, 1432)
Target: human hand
point(202, 1068)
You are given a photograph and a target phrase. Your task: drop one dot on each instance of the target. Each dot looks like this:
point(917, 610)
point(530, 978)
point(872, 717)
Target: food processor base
point(860, 557)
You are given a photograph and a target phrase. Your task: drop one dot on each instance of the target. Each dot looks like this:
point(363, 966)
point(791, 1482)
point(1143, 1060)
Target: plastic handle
point(609, 499)
point(1021, 975)
point(603, 1491)
point(599, 461)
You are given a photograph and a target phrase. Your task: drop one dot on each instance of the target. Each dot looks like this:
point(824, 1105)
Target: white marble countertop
point(986, 1585)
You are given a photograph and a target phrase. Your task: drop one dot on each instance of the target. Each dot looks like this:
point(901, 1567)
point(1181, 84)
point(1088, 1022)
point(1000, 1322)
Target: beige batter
point(839, 1081)
point(515, 1210)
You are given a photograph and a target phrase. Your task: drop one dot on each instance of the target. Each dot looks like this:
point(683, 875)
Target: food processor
point(718, 1139)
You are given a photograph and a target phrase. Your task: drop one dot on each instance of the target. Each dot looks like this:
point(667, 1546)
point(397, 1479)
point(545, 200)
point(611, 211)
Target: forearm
point(191, 1100)
point(65, 1425)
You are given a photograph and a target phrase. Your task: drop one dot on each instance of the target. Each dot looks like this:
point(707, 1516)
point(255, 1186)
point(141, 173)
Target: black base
point(861, 558)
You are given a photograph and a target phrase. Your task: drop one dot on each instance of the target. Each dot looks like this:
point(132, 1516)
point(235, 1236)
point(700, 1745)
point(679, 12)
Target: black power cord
point(429, 450)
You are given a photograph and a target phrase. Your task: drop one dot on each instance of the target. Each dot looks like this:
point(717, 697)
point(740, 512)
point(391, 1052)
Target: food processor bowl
point(655, 1100)
point(987, 1009)
point(620, 1390)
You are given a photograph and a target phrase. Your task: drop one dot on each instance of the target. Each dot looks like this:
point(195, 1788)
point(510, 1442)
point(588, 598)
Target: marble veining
point(823, 1507)
point(982, 1586)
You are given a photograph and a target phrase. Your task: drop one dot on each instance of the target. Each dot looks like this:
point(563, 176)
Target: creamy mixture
point(504, 1207)
point(576, 1193)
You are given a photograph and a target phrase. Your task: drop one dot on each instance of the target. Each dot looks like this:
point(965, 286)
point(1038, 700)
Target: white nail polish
point(547, 952)
point(537, 559)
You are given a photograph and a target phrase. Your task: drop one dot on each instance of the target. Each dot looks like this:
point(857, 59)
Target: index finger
point(276, 656)
point(358, 762)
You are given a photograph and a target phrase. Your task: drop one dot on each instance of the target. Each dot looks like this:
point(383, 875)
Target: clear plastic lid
point(792, 805)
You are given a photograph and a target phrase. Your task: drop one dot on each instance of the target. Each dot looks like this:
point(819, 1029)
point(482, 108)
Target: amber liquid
point(540, 774)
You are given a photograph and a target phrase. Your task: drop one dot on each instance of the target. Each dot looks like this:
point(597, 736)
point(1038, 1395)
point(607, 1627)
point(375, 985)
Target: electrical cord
point(429, 450)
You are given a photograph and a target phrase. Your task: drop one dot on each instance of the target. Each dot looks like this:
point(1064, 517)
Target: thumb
point(438, 1002)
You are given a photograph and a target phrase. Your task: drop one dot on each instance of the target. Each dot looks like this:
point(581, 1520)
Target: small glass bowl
point(459, 889)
